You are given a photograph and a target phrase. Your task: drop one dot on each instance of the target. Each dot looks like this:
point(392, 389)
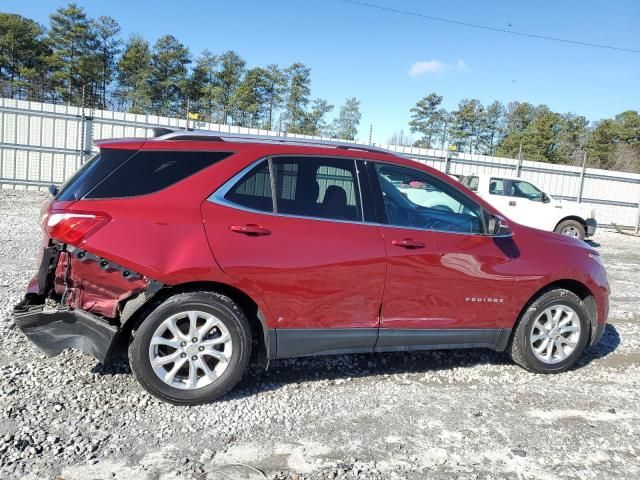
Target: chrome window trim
point(217, 197)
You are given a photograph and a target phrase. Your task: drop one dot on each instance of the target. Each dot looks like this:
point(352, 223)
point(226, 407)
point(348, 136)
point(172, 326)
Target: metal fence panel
point(44, 143)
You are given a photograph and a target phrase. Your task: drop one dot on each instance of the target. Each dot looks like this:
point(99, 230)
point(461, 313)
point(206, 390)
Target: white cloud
point(430, 66)
point(425, 67)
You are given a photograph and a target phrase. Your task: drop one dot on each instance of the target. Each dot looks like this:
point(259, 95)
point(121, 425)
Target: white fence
point(44, 143)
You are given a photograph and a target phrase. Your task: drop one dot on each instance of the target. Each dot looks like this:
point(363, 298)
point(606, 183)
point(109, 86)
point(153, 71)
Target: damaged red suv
point(201, 250)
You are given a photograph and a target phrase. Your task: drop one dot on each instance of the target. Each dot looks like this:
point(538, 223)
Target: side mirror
point(497, 226)
point(53, 190)
point(545, 198)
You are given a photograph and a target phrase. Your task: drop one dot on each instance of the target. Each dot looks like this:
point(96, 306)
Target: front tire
point(571, 228)
point(192, 349)
point(552, 333)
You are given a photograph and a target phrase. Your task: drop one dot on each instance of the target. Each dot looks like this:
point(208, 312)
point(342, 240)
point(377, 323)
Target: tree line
point(78, 60)
point(534, 132)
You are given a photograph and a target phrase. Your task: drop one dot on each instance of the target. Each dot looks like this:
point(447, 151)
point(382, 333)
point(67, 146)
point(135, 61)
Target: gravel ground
point(447, 414)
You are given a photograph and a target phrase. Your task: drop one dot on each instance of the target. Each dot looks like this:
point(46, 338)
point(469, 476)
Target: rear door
point(292, 229)
point(447, 282)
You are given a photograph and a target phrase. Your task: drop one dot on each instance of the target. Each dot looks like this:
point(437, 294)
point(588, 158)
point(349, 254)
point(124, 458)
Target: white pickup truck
point(527, 204)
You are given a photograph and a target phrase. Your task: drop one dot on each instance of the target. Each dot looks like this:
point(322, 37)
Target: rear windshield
point(92, 173)
point(150, 171)
point(116, 173)
point(471, 183)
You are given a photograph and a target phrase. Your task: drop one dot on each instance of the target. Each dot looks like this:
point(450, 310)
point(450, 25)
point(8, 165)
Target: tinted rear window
point(92, 173)
point(150, 171)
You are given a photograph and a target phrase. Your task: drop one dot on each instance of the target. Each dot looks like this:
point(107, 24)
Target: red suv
point(200, 248)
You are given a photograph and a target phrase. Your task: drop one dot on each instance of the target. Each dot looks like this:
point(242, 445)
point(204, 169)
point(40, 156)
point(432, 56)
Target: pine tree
point(274, 92)
point(169, 65)
point(314, 120)
point(202, 85)
point(133, 74)
point(109, 43)
point(22, 54)
point(345, 126)
point(427, 119)
point(74, 57)
point(297, 98)
point(228, 79)
point(493, 127)
point(250, 99)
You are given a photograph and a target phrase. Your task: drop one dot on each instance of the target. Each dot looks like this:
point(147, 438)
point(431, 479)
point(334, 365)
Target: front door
point(292, 229)
point(526, 205)
point(448, 284)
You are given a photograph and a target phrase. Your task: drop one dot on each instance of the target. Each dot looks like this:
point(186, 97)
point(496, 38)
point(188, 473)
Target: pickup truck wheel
point(193, 348)
point(552, 333)
point(571, 228)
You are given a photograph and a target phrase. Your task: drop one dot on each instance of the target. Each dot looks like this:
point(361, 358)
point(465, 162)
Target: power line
point(492, 29)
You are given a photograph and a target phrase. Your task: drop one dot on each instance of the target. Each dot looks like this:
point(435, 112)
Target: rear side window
point(254, 190)
point(471, 182)
point(92, 173)
point(150, 171)
point(317, 187)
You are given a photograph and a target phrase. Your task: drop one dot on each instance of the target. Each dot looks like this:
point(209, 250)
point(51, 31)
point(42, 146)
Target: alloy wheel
point(555, 334)
point(190, 350)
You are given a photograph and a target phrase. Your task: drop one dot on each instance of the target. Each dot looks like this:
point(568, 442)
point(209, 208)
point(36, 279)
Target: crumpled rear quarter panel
point(92, 286)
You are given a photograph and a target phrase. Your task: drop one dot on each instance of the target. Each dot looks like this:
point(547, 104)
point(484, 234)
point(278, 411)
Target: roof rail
point(206, 135)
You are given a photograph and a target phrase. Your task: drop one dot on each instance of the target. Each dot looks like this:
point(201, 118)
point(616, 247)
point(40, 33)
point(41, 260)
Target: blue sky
point(389, 61)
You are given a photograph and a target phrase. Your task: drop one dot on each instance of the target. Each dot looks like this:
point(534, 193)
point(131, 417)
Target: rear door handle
point(512, 203)
point(250, 229)
point(407, 243)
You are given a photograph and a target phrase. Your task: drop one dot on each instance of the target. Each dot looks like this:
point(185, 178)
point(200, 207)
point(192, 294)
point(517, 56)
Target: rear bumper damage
point(79, 300)
point(53, 330)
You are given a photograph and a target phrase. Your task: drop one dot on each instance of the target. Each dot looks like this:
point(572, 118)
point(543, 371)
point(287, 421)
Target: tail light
point(72, 227)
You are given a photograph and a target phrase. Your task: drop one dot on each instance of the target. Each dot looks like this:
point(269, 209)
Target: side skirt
point(335, 341)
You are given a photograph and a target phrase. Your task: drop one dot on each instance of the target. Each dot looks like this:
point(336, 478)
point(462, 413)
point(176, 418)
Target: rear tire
point(552, 333)
point(571, 228)
point(192, 349)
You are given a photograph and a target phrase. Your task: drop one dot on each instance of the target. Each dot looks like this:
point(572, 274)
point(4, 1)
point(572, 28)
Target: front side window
point(415, 199)
point(317, 187)
point(526, 190)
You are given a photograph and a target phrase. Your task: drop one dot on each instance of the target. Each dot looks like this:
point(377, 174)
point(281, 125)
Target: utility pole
point(444, 134)
point(519, 167)
point(582, 172)
point(370, 133)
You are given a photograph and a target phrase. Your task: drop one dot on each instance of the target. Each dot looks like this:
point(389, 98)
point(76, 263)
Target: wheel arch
point(264, 342)
point(578, 219)
point(574, 286)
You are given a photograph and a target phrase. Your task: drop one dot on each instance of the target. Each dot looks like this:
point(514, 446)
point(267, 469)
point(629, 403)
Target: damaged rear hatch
point(77, 299)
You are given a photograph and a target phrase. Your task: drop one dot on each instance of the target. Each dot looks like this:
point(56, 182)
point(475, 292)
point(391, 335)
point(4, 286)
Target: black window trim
point(218, 197)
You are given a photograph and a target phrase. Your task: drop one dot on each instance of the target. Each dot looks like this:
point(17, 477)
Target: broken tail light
point(73, 227)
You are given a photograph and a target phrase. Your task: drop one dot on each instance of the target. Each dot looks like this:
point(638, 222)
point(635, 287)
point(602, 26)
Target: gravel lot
point(464, 414)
